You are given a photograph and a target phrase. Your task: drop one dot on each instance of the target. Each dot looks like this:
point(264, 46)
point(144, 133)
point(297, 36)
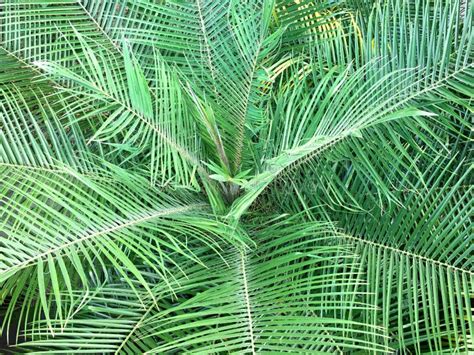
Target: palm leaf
point(304, 134)
point(50, 219)
point(263, 307)
point(209, 42)
point(132, 112)
point(255, 302)
point(424, 263)
point(45, 29)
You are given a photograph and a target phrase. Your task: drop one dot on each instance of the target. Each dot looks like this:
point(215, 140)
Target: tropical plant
point(236, 176)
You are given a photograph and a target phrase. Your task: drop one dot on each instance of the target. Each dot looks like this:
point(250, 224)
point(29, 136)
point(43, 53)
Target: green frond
point(45, 29)
point(263, 304)
point(306, 125)
point(268, 176)
point(282, 298)
point(152, 121)
point(310, 21)
point(210, 42)
point(418, 257)
point(64, 231)
point(33, 136)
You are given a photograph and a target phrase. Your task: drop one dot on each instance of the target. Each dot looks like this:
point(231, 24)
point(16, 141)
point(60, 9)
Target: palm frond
point(49, 220)
point(422, 261)
point(99, 321)
point(264, 306)
point(413, 252)
point(310, 21)
point(298, 135)
point(152, 122)
point(281, 298)
point(210, 42)
point(45, 30)
point(35, 139)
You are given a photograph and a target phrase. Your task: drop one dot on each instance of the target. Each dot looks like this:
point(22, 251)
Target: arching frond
point(61, 231)
point(420, 265)
point(33, 136)
point(298, 134)
point(45, 30)
point(210, 42)
point(282, 298)
point(155, 122)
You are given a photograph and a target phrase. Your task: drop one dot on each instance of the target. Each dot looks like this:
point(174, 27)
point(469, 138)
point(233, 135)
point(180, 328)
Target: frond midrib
point(246, 297)
point(100, 233)
point(405, 252)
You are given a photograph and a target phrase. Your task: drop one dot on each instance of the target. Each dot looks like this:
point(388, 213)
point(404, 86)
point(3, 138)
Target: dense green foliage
point(236, 176)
